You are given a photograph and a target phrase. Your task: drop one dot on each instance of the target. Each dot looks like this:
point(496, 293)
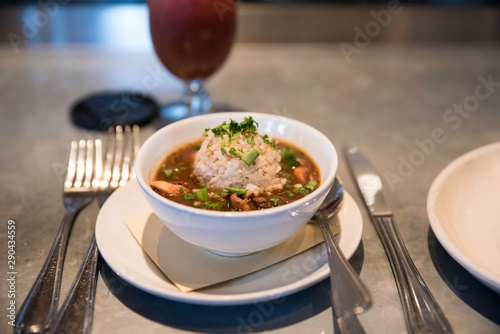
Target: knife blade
point(421, 310)
point(369, 182)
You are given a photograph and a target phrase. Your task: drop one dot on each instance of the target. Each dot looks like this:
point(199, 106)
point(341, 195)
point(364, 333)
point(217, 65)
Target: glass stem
point(196, 98)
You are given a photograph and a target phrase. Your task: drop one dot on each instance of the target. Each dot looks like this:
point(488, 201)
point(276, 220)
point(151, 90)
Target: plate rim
point(477, 271)
point(236, 299)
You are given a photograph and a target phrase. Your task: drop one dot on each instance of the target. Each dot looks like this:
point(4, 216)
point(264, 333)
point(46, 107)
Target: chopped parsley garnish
point(232, 151)
point(181, 190)
point(274, 199)
point(237, 191)
point(266, 140)
point(223, 151)
point(205, 133)
point(233, 129)
point(209, 144)
point(190, 196)
point(250, 156)
point(241, 175)
point(251, 140)
point(241, 150)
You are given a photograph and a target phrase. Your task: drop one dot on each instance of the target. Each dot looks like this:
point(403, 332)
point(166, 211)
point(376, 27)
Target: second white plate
point(124, 255)
point(464, 212)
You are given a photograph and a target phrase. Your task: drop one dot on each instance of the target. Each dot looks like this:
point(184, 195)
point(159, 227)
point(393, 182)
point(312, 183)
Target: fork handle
point(40, 306)
point(76, 314)
point(422, 312)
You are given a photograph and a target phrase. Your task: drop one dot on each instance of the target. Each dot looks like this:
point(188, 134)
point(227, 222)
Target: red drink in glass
point(192, 38)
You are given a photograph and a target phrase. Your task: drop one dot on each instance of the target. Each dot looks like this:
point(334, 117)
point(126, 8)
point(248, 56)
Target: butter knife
point(422, 312)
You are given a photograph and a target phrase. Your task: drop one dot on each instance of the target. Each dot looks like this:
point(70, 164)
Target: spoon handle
point(349, 294)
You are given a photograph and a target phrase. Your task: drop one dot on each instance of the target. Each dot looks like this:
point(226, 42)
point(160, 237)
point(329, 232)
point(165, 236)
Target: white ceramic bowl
point(236, 233)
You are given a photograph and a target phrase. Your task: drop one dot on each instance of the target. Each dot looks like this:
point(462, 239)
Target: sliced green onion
point(250, 156)
point(289, 193)
point(241, 150)
point(205, 133)
point(223, 150)
point(311, 184)
point(168, 172)
point(209, 144)
point(182, 168)
point(237, 191)
point(215, 205)
point(304, 191)
point(236, 136)
point(181, 190)
point(274, 199)
point(241, 175)
point(251, 140)
point(189, 196)
point(202, 195)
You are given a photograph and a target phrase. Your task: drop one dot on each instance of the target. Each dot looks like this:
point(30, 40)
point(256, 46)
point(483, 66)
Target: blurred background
point(124, 23)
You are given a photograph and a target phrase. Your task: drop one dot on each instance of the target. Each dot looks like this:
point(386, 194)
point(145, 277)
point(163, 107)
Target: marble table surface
point(386, 99)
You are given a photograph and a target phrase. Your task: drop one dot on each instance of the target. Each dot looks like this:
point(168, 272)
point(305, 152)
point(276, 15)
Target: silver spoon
point(349, 294)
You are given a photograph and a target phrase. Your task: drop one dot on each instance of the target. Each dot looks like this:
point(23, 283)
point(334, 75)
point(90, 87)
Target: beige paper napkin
point(191, 267)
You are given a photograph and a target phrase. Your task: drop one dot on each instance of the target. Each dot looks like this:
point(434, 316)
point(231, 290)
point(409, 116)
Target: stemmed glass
point(192, 38)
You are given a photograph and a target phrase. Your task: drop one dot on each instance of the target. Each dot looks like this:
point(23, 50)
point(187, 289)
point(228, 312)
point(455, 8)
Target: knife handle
point(421, 310)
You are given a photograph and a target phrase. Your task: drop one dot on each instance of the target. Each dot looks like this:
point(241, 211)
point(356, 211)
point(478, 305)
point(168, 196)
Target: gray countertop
point(385, 100)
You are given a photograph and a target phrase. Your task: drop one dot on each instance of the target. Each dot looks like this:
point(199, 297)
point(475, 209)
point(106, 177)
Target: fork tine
point(110, 149)
point(89, 164)
point(96, 181)
point(118, 157)
point(70, 174)
point(127, 155)
point(136, 145)
point(80, 165)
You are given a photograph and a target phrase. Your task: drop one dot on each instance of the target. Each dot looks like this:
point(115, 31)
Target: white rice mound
point(217, 171)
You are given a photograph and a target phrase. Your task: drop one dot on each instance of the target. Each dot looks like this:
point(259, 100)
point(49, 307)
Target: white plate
point(464, 212)
point(124, 255)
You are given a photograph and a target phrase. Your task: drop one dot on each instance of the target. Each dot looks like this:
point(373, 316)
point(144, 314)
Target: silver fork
point(76, 314)
point(39, 309)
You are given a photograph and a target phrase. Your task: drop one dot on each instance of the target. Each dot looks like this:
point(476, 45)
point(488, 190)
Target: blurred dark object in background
point(351, 2)
point(124, 24)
